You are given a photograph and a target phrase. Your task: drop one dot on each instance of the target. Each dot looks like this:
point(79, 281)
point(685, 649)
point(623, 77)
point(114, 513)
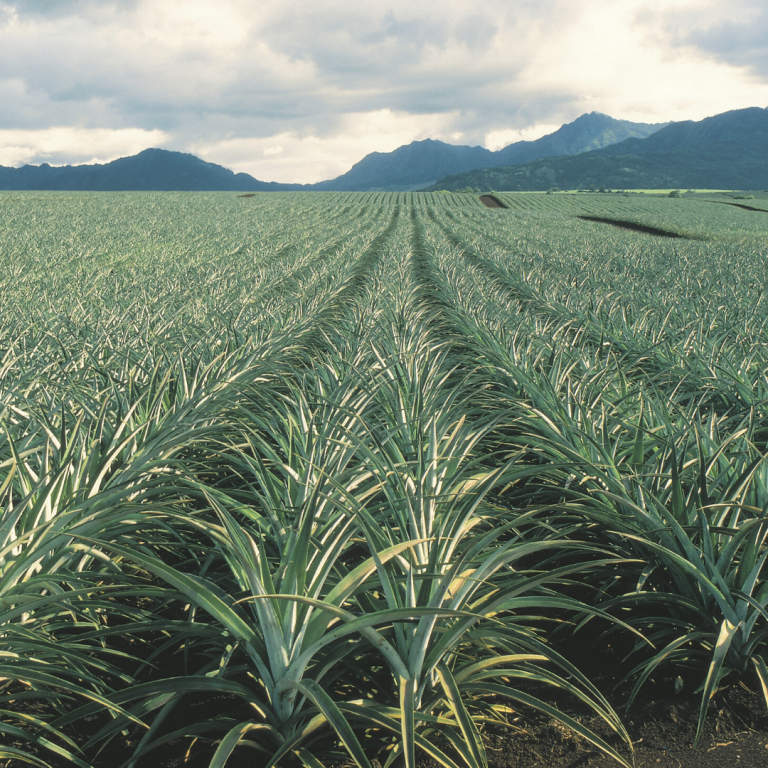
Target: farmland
point(306, 478)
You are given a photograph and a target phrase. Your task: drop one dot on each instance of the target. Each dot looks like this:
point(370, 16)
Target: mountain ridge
point(151, 169)
point(728, 151)
point(411, 166)
point(419, 163)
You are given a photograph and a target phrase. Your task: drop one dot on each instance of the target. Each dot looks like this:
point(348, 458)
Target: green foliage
point(343, 462)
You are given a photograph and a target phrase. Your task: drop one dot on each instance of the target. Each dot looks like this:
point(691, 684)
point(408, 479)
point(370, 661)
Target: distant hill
point(152, 169)
point(420, 163)
point(409, 167)
point(586, 133)
point(727, 151)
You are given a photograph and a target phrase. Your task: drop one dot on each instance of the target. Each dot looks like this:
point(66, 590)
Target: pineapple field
point(377, 479)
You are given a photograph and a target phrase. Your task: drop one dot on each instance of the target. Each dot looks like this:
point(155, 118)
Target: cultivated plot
point(310, 477)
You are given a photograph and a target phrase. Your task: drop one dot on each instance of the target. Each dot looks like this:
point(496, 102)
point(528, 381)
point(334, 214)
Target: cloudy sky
point(299, 90)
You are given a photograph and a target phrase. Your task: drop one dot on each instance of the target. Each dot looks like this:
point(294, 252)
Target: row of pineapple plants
point(357, 520)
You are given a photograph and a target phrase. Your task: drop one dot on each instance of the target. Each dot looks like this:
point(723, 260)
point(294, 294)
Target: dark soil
point(661, 724)
point(662, 729)
point(632, 225)
point(491, 201)
point(741, 205)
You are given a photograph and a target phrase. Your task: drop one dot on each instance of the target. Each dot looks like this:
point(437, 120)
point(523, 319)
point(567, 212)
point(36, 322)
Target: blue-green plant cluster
point(348, 465)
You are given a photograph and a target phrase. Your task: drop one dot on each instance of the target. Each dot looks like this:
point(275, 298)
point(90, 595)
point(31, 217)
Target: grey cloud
point(60, 8)
point(296, 66)
point(742, 40)
point(740, 45)
point(360, 62)
point(32, 108)
point(79, 74)
point(370, 48)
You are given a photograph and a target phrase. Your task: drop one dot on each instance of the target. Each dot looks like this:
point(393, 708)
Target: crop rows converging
point(322, 478)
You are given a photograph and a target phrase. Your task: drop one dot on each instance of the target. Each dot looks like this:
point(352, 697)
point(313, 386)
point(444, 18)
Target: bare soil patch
point(491, 201)
point(742, 206)
point(662, 730)
point(632, 225)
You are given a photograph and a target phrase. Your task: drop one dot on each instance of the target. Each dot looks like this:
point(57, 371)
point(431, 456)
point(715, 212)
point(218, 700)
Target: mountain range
point(421, 163)
point(152, 169)
point(727, 151)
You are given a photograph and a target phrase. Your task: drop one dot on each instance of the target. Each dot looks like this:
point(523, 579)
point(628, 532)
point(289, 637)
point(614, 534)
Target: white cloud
point(330, 80)
point(624, 59)
point(496, 140)
point(64, 145)
point(198, 24)
point(309, 158)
